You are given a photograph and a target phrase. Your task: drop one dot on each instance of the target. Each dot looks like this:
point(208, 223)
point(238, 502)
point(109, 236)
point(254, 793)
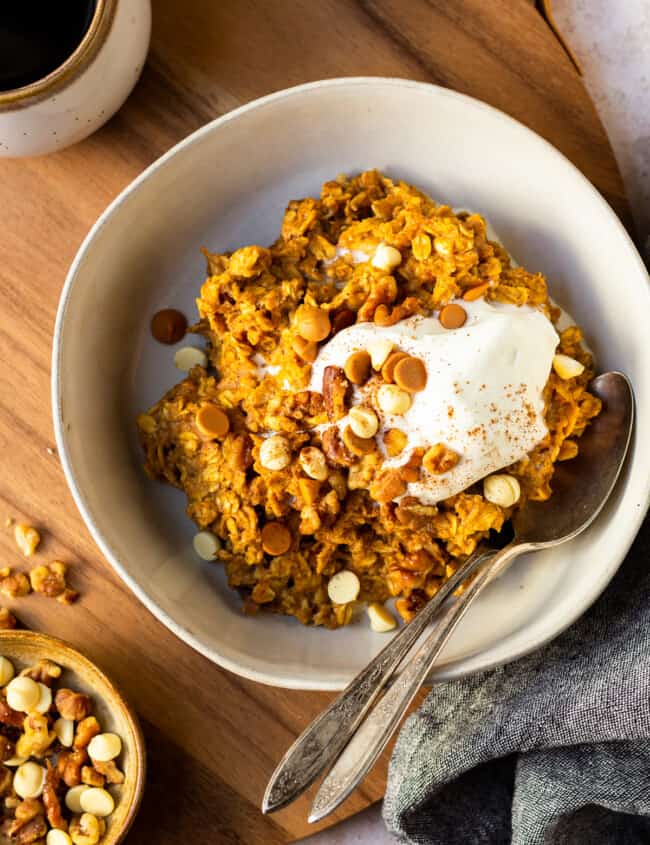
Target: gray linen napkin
point(554, 748)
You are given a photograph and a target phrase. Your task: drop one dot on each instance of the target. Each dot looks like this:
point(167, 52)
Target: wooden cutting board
point(214, 738)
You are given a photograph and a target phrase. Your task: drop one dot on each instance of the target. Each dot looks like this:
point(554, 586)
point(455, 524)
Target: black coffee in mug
point(37, 36)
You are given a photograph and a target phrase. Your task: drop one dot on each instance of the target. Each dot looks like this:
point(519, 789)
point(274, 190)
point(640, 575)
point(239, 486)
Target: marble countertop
point(612, 43)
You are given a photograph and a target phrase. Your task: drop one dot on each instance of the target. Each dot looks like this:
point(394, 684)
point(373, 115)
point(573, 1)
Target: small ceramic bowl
point(25, 648)
point(80, 95)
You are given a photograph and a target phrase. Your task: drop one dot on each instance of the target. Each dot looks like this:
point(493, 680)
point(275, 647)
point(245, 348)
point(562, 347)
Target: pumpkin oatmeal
point(382, 387)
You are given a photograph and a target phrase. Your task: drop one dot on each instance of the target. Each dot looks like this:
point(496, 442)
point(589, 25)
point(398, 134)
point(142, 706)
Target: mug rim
point(71, 68)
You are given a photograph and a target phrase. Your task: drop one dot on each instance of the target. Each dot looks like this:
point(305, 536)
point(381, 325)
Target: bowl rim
point(284, 678)
point(38, 639)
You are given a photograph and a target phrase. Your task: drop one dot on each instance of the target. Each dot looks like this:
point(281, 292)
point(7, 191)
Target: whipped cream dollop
point(483, 396)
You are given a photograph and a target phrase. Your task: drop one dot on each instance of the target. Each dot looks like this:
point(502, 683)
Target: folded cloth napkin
point(554, 748)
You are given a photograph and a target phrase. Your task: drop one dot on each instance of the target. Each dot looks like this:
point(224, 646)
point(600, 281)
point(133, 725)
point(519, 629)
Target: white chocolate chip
point(15, 761)
point(73, 798)
point(28, 780)
point(57, 837)
point(64, 730)
point(379, 349)
point(386, 258)
point(206, 545)
point(97, 801)
point(363, 421)
point(275, 453)
point(189, 356)
point(381, 619)
point(23, 694)
point(567, 367)
point(313, 462)
point(7, 671)
point(501, 489)
point(393, 400)
point(343, 587)
point(104, 747)
point(44, 699)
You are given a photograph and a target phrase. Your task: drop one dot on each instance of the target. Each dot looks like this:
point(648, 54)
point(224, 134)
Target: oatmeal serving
point(380, 389)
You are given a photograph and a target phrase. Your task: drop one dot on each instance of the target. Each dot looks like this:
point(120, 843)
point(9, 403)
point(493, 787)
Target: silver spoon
point(580, 489)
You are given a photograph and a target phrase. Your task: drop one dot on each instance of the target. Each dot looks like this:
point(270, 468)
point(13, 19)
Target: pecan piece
point(335, 449)
point(51, 799)
point(72, 705)
point(335, 392)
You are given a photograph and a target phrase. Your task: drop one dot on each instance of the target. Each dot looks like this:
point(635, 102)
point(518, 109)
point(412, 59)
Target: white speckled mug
point(81, 94)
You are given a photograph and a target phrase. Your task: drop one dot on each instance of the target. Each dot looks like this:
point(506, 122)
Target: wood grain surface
point(213, 738)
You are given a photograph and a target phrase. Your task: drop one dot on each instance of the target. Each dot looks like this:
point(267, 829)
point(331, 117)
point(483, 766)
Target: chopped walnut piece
point(72, 705)
point(51, 799)
point(7, 620)
point(13, 584)
point(440, 459)
point(86, 730)
point(27, 539)
point(49, 580)
point(37, 736)
point(387, 485)
point(43, 672)
point(91, 777)
point(335, 449)
point(86, 829)
point(335, 392)
point(69, 766)
point(29, 832)
point(109, 770)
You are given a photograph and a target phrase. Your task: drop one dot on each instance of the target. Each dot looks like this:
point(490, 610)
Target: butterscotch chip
point(410, 471)
point(212, 422)
point(388, 370)
point(168, 326)
point(395, 441)
point(439, 459)
point(276, 538)
point(312, 323)
point(453, 316)
point(411, 374)
point(305, 349)
point(387, 485)
point(472, 294)
point(357, 367)
point(358, 445)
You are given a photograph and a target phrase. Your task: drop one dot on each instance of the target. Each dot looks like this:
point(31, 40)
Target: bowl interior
point(24, 648)
point(228, 185)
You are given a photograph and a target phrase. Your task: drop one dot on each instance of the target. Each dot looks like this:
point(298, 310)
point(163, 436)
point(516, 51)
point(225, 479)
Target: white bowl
point(227, 185)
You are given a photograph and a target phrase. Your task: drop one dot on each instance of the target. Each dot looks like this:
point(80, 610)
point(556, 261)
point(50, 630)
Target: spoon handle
point(371, 737)
point(322, 742)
